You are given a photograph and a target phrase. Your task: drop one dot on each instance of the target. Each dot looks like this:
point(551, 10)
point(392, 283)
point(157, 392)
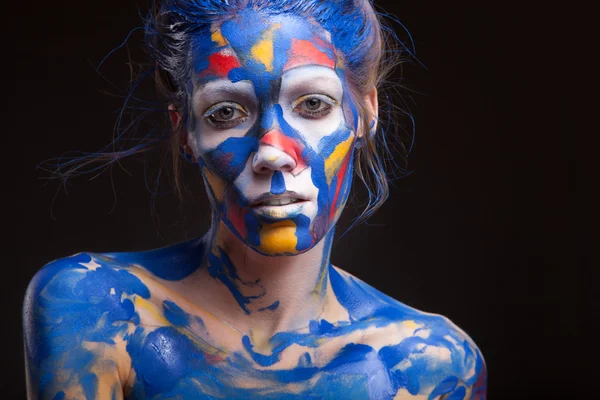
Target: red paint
point(304, 52)
point(340, 180)
point(219, 65)
point(479, 389)
point(286, 144)
point(235, 215)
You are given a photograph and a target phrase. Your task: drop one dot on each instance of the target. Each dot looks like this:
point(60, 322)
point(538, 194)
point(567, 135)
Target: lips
point(278, 207)
point(270, 200)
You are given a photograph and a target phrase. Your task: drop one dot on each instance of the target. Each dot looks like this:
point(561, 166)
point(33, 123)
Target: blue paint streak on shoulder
point(171, 263)
point(70, 304)
point(277, 183)
point(59, 396)
point(444, 387)
point(458, 394)
point(174, 314)
point(363, 301)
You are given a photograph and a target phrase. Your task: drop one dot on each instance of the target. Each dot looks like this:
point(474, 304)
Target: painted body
point(116, 327)
point(254, 309)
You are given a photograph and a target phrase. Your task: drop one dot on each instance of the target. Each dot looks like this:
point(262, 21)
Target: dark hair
point(367, 46)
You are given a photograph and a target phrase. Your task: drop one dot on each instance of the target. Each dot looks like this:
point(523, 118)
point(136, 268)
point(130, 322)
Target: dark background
point(482, 230)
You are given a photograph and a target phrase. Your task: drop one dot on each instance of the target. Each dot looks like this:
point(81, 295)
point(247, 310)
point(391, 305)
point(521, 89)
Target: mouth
point(270, 200)
point(283, 206)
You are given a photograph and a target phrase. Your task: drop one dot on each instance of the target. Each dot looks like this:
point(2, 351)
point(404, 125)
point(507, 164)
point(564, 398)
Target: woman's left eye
point(314, 106)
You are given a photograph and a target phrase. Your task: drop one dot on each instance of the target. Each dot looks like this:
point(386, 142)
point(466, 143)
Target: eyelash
point(329, 102)
point(209, 115)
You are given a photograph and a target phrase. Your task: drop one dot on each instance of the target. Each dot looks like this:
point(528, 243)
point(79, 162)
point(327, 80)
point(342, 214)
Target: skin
point(254, 308)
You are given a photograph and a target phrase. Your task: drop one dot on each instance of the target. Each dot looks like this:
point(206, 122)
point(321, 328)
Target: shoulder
point(425, 354)
point(82, 278)
point(77, 312)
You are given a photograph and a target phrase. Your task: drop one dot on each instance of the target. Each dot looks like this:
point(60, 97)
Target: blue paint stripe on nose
point(277, 183)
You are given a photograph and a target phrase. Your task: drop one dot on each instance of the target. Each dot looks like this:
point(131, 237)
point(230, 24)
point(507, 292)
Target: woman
point(276, 102)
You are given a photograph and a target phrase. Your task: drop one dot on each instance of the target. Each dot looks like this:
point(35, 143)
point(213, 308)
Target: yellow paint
point(333, 162)
point(151, 309)
point(215, 183)
point(410, 324)
point(218, 38)
point(278, 238)
point(263, 51)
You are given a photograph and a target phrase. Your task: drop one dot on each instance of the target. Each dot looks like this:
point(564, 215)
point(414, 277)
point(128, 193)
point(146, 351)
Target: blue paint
point(171, 263)
point(277, 183)
point(272, 307)
point(168, 364)
point(229, 158)
point(458, 394)
point(444, 387)
point(303, 234)
point(221, 268)
point(68, 301)
point(174, 314)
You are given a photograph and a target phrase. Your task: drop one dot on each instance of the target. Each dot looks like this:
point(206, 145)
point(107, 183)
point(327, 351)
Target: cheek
point(229, 158)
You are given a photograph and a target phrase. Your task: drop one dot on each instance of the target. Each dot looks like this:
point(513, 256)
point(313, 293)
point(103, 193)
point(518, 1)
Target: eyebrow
point(318, 78)
point(225, 86)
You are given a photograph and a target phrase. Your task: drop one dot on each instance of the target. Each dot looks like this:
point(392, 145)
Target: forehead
point(256, 46)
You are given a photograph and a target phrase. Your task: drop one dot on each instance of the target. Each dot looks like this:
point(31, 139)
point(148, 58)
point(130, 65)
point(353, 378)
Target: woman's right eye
point(225, 115)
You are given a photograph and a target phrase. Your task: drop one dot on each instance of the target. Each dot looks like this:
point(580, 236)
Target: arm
point(75, 324)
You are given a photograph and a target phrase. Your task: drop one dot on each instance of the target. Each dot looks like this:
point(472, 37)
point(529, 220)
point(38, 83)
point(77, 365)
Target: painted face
point(272, 126)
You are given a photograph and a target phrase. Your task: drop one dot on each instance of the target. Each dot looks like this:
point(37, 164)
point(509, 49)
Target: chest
point(168, 363)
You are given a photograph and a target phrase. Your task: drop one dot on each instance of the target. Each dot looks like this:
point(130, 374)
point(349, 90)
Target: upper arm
point(76, 319)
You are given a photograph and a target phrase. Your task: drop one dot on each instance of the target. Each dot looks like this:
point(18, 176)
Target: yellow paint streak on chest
point(278, 238)
point(333, 162)
point(218, 38)
point(216, 184)
point(263, 50)
point(150, 309)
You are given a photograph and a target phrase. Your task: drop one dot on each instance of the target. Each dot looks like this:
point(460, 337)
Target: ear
point(372, 103)
point(176, 117)
point(372, 111)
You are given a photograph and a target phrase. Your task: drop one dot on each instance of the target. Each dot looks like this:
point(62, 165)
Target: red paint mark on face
point(340, 181)
point(219, 65)
point(286, 144)
point(304, 52)
point(235, 215)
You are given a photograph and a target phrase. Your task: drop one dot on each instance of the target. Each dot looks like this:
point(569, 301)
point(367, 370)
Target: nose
point(270, 158)
point(276, 152)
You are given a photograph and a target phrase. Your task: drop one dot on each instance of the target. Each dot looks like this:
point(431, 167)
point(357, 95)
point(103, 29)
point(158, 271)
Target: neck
point(273, 293)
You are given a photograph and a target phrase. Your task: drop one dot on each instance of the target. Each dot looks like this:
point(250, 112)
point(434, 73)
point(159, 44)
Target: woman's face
point(272, 126)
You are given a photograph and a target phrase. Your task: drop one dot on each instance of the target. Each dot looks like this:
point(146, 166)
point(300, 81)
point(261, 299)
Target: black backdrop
point(478, 232)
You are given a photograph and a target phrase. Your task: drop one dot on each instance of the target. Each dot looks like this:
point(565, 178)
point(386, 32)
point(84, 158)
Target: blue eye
point(225, 115)
point(314, 106)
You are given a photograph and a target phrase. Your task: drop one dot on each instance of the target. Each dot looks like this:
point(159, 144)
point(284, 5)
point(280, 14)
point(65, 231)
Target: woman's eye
point(314, 106)
point(225, 115)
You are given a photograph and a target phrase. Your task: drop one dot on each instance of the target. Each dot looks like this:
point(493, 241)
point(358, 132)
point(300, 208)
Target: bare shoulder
point(425, 354)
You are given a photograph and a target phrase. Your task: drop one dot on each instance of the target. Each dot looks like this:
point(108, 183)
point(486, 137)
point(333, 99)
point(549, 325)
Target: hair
point(369, 48)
